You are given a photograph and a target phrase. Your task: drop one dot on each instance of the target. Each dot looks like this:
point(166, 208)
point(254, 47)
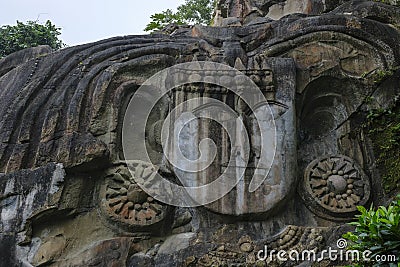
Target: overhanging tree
point(30, 34)
point(191, 12)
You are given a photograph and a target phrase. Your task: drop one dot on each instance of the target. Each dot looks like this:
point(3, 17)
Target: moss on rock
point(384, 130)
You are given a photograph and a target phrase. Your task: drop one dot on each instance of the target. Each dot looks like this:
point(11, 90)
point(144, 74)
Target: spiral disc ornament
point(123, 201)
point(334, 186)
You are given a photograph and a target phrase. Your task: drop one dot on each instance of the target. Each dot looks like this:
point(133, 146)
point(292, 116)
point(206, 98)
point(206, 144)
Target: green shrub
point(191, 12)
point(378, 231)
point(30, 34)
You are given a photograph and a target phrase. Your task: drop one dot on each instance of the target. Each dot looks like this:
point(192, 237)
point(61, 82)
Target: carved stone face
point(268, 128)
point(280, 178)
point(67, 197)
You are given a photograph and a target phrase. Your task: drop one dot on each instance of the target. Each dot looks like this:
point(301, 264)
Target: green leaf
point(377, 230)
point(362, 209)
point(29, 34)
point(191, 12)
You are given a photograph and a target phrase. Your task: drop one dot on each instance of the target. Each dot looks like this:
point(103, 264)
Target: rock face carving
point(67, 198)
point(124, 201)
point(246, 249)
point(337, 185)
point(279, 90)
point(238, 12)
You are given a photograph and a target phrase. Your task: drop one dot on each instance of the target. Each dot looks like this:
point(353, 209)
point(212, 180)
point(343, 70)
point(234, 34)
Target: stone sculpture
point(67, 196)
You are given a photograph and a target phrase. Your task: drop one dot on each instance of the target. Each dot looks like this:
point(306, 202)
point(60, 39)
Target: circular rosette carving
point(334, 186)
point(125, 202)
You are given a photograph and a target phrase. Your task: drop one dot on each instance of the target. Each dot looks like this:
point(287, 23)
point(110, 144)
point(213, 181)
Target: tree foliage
point(378, 231)
point(23, 35)
point(191, 12)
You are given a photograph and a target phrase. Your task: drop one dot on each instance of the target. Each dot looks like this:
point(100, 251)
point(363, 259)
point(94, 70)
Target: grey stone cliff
point(66, 195)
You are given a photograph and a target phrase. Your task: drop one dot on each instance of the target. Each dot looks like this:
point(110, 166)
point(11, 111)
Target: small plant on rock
point(377, 231)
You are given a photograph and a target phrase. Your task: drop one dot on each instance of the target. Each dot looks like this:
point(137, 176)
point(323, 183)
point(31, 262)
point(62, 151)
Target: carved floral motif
point(124, 201)
point(336, 184)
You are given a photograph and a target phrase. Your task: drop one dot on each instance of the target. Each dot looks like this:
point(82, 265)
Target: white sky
point(86, 20)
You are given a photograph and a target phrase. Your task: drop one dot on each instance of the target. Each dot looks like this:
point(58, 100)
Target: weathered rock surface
point(20, 57)
point(68, 199)
point(26, 196)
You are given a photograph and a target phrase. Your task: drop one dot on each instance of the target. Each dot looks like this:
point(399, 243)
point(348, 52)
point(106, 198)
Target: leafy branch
point(30, 34)
point(191, 12)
